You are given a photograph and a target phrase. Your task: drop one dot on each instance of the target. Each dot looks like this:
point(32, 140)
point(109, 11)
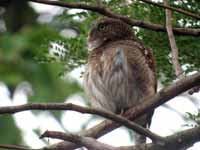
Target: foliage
point(194, 117)
point(7, 124)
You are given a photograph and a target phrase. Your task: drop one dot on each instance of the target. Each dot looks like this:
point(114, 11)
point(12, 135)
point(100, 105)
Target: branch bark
point(60, 106)
point(16, 147)
point(196, 16)
point(172, 41)
point(177, 141)
point(87, 142)
point(107, 12)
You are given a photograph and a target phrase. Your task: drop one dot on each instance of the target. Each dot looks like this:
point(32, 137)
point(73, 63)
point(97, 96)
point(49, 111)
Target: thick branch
point(164, 95)
point(196, 16)
point(178, 141)
point(107, 12)
point(172, 41)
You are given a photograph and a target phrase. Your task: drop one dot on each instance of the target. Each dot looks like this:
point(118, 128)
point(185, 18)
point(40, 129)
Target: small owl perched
point(120, 71)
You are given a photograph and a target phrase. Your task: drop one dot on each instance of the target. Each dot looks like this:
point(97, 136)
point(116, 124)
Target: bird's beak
point(93, 44)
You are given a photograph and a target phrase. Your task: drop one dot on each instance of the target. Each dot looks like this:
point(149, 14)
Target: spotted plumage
point(120, 71)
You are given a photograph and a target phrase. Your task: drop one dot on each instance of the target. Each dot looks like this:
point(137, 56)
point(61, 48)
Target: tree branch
point(158, 99)
point(172, 41)
point(87, 142)
point(174, 48)
point(107, 12)
point(16, 147)
point(150, 103)
point(177, 141)
point(60, 106)
point(164, 95)
point(196, 16)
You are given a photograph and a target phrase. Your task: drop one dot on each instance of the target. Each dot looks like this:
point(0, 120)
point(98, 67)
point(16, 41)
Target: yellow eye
point(101, 27)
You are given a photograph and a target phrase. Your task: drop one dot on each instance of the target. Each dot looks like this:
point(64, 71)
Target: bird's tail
point(144, 121)
point(139, 139)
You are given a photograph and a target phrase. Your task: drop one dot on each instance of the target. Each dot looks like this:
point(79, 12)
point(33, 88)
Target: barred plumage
point(120, 70)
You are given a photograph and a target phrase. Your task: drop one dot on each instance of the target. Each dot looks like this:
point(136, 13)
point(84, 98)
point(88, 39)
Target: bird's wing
point(142, 64)
point(140, 56)
point(150, 60)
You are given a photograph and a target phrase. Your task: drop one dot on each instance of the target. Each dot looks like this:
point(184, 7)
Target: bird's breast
point(107, 80)
point(118, 76)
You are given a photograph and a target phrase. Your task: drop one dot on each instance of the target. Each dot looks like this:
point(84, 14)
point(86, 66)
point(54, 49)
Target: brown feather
point(120, 70)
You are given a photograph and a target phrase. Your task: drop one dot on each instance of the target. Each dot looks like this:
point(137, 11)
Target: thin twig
point(174, 48)
point(196, 16)
point(107, 12)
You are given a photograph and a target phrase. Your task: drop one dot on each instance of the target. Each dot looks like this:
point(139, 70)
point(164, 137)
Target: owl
point(120, 71)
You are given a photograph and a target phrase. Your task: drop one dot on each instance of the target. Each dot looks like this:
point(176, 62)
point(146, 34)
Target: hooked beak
point(93, 44)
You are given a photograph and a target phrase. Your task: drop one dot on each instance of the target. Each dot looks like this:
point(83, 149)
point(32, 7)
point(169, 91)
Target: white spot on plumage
point(119, 56)
point(145, 52)
point(120, 59)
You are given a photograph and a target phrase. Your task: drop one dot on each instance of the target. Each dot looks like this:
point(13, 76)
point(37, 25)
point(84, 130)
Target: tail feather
point(144, 121)
point(139, 139)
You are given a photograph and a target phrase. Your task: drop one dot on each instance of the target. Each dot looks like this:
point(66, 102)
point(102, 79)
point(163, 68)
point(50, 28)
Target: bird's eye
point(101, 27)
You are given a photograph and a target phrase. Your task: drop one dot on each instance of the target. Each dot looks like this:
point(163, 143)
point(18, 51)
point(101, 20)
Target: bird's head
point(106, 30)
